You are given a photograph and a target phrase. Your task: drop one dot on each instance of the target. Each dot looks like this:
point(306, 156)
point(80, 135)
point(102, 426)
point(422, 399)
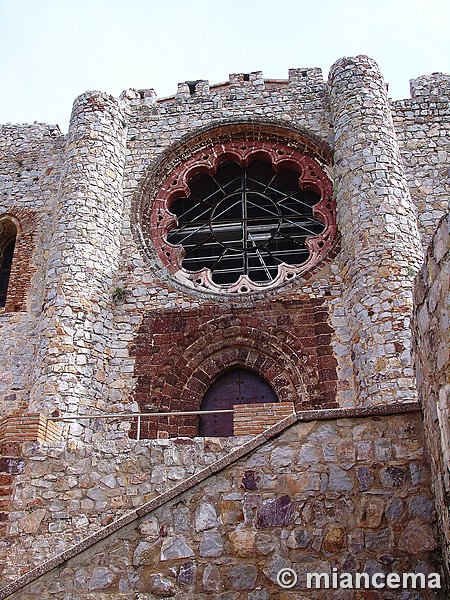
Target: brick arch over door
point(178, 354)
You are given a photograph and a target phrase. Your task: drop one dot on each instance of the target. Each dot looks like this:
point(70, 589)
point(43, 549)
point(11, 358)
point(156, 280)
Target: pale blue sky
point(53, 50)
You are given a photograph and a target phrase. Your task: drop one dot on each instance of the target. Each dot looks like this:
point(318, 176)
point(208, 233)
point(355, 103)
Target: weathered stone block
point(417, 537)
point(211, 544)
point(205, 517)
point(243, 542)
point(275, 513)
point(186, 574)
point(100, 579)
point(174, 548)
point(212, 581)
point(242, 577)
point(334, 540)
point(370, 512)
point(339, 481)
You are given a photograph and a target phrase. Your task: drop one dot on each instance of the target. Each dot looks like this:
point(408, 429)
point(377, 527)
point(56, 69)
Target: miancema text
point(357, 581)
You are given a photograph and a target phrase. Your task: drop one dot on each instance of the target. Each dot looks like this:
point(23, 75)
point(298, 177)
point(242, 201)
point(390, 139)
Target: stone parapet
point(53, 493)
point(435, 86)
point(422, 124)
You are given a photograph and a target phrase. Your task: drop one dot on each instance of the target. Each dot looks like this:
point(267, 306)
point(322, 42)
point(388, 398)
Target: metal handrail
point(150, 414)
point(139, 416)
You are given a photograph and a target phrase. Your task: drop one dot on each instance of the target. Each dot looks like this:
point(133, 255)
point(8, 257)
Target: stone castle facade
point(288, 237)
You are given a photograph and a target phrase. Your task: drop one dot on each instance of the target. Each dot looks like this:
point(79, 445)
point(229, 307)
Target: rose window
point(237, 218)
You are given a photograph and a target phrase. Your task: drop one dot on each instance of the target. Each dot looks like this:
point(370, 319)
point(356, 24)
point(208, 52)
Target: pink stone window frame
point(206, 161)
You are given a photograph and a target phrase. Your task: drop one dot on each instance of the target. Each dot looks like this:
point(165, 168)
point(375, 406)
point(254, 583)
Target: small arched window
point(8, 234)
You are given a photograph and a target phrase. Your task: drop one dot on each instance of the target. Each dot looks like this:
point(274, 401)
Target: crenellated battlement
point(433, 86)
point(21, 137)
point(238, 85)
point(306, 77)
point(436, 85)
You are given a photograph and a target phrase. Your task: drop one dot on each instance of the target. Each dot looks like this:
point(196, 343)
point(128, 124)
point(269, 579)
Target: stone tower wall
point(380, 239)
point(157, 131)
point(104, 327)
point(32, 161)
point(432, 362)
point(76, 322)
point(422, 125)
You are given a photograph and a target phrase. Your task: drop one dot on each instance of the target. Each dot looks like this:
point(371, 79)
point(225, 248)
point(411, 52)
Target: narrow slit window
point(8, 233)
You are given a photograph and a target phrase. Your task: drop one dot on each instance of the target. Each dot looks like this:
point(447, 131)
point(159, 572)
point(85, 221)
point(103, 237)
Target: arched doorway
point(239, 386)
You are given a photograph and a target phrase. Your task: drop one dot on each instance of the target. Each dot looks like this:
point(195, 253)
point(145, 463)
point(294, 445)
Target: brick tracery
point(244, 142)
point(207, 161)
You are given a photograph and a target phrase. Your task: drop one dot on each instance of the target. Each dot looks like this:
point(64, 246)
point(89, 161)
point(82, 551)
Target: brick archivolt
point(239, 346)
point(179, 355)
point(25, 223)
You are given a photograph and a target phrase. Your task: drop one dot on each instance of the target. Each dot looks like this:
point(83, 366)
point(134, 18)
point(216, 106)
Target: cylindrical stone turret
point(83, 259)
point(381, 247)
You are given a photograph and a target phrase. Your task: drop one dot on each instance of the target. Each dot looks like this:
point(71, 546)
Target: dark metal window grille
point(245, 221)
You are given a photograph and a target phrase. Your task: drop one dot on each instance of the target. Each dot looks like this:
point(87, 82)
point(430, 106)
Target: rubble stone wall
point(422, 125)
point(83, 258)
point(352, 494)
point(61, 493)
point(432, 361)
point(70, 228)
point(380, 239)
point(95, 299)
point(30, 172)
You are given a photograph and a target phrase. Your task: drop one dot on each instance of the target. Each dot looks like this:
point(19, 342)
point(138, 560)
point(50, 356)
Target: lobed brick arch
point(179, 355)
point(279, 141)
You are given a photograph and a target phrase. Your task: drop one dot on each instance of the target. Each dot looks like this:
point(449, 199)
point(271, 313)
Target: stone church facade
point(274, 248)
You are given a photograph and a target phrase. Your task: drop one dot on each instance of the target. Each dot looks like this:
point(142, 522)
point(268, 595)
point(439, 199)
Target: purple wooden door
point(233, 387)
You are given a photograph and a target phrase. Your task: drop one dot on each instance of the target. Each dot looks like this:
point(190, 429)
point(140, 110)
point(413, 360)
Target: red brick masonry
point(180, 353)
point(256, 418)
point(21, 268)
